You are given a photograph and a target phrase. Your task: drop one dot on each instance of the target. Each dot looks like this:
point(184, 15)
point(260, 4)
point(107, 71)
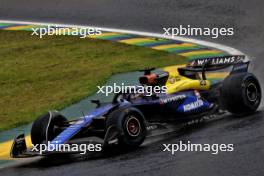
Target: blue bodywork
point(82, 122)
point(189, 103)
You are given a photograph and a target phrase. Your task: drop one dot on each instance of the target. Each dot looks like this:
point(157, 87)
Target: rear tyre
point(130, 125)
point(45, 128)
point(241, 93)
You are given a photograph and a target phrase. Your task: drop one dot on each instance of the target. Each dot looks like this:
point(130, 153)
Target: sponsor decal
point(19, 140)
point(241, 67)
point(193, 105)
point(172, 80)
point(202, 82)
point(171, 99)
point(215, 61)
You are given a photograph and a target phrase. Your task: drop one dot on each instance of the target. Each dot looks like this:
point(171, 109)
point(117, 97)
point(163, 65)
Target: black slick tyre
point(241, 93)
point(45, 128)
point(130, 125)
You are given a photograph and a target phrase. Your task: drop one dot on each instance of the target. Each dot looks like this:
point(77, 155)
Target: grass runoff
point(53, 72)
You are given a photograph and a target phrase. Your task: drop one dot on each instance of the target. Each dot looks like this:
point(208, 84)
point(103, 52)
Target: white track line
point(227, 49)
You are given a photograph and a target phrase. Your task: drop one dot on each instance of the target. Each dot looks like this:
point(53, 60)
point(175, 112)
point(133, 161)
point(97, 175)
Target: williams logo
point(215, 61)
point(192, 106)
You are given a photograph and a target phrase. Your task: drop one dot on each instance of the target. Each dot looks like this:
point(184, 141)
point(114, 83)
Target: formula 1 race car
point(126, 120)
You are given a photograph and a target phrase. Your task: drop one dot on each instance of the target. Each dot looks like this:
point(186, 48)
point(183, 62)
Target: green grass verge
point(51, 73)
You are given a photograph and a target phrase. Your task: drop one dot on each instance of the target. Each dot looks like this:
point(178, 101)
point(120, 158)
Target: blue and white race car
point(125, 120)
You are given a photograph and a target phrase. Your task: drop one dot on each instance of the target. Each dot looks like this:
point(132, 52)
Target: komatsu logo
point(193, 105)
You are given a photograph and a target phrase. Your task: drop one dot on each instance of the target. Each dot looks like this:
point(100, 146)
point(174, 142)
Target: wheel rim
point(252, 92)
point(133, 126)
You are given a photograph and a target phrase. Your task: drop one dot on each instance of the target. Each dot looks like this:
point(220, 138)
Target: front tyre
point(46, 127)
point(241, 93)
point(130, 125)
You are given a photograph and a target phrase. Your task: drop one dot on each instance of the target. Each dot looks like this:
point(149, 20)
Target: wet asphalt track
point(246, 133)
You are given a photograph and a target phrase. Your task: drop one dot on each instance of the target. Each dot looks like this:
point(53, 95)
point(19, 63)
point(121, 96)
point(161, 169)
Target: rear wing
point(238, 62)
point(216, 62)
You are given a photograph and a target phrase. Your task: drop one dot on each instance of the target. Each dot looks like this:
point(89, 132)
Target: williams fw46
point(125, 121)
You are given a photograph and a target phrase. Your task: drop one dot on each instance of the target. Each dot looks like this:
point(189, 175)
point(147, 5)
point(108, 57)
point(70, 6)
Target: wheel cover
point(133, 126)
